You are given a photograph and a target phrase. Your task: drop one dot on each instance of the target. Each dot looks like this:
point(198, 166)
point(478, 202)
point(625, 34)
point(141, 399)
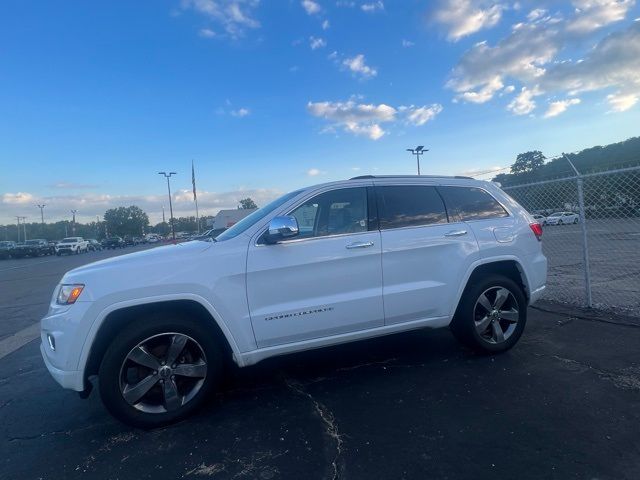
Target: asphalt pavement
point(564, 403)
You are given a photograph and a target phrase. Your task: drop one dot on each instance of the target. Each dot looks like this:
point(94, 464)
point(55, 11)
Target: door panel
point(423, 268)
point(326, 282)
point(424, 258)
point(314, 288)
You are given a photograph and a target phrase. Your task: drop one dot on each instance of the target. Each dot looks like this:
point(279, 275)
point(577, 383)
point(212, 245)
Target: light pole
point(419, 150)
point(18, 219)
point(41, 207)
point(24, 227)
point(73, 225)
point(168, 176)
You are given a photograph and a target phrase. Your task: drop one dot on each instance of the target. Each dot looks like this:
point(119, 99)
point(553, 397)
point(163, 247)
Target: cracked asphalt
point(563, 404)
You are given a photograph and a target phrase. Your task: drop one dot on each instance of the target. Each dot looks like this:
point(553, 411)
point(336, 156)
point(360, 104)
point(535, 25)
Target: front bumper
point(63, 325)
point(71, 379)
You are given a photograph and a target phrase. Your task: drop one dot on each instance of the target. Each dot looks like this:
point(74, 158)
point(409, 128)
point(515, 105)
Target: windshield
point(69, 240)
point(33, 242)
point(255, 217)
point(556, 214)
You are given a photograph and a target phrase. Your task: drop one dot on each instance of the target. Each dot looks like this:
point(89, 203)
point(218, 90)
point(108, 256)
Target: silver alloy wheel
point(163, 372)
point(496, 314)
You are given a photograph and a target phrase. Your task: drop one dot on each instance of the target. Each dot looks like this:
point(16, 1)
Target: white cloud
point(530, 55)
point(620, 102)
point(407, 43)
point(234, 16)
point(372, 6)
point(240, 112)
point(367, 119)
point(420, 115)
point(560, 106)
point(594, 14)
point(325, 24)
point(206, 33)
point(311, 7)
point(316, 43)
point(465, 17)
point(314, 172)
point(358, 66)
point(17, 198)
point(524, 103)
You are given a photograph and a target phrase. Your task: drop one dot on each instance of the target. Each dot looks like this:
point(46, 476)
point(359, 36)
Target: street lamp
point(168, 176)
point(41, 207)
point(419, 150)
point(24, 228)
point(73, 225)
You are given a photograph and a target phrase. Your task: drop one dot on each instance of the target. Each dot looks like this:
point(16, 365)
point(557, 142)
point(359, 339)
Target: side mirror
point(281, 228)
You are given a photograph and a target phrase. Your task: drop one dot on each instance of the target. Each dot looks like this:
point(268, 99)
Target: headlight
point(68, 294)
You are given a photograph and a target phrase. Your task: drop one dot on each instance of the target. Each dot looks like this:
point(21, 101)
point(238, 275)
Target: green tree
point(126, 220)
point(247, 203)
point(528, 162)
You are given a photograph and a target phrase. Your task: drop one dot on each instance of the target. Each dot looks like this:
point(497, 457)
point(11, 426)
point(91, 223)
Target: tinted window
point(409, 206)
point(469, 203)
point(333, 213)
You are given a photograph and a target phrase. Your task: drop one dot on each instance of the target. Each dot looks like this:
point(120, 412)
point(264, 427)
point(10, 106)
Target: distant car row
point(558, 218)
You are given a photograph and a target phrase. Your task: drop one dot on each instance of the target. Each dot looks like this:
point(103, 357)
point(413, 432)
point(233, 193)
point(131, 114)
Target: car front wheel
point(491, 315)
point(159, 370)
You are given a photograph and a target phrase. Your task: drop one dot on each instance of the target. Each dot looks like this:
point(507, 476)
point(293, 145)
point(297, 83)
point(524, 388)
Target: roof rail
point(367, 177)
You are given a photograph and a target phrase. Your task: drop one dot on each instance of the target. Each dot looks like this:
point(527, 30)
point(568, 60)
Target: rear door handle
point(360, 245)
point(455, 233)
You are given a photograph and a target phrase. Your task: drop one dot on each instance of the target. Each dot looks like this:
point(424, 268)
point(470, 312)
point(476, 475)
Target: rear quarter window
point(471, 203)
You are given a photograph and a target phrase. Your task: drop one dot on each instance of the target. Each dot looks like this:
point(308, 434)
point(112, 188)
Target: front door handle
point(360, 245)
point(455, 233)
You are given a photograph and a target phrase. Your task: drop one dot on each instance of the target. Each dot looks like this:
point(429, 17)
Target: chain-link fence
point(591, 236)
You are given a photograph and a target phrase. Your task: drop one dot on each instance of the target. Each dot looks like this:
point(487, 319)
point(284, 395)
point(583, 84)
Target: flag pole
point(195, 197)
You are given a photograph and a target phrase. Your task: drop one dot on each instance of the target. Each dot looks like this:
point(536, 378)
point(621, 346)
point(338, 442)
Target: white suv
point(319, 266)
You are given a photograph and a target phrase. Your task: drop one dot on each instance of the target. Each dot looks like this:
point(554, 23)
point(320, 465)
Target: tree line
point(119, 221)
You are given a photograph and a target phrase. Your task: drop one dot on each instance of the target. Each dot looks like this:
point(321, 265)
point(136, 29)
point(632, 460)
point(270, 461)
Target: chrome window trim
point(312, 194)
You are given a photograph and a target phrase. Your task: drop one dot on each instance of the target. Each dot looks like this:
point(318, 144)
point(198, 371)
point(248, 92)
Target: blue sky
point(270, 96)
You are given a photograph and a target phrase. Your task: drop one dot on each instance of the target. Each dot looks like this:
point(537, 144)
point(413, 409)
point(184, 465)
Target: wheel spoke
point(191, 370)
point(498, 334)
point(172, 399)
point(135, 393)
point(509, 315)
point(501, 297)
point(140, 356)
point(175, 348)
point(482, 325)
point(484, 301)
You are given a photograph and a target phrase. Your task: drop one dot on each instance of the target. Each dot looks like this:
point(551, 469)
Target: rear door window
point(471, 203)
point(409, 206)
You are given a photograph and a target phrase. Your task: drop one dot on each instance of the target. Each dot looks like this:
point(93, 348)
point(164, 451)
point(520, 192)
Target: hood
point(168, 259)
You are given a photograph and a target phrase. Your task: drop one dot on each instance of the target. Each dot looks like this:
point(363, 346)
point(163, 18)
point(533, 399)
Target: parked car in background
point(541, 219)
point(159, 327)
point(113, 243)
point(6, 249)
point(72, 245)
point(153, 238)
point(562, 218)
point(32, 248)
point(94, 245)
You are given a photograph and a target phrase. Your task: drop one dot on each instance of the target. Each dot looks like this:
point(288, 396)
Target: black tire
point(157, 325)
point(560, 222)
point(575, 221)
point(466, 319)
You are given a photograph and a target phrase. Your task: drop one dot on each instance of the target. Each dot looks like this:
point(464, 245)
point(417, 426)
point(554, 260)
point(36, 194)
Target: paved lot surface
point(565, 403)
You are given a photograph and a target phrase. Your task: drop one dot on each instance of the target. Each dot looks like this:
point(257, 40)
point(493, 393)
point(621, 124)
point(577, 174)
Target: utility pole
point(18, 219)
point(419, 150)
point(168, 176)
point(24, 227)
point(73, 225)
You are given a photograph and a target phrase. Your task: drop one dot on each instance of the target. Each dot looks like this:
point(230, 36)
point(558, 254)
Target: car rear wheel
point(159, 370)
point(491, 315)
point(575, 221)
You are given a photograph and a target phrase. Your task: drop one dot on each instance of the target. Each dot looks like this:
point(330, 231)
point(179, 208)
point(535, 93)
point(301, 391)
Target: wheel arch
point(507, 266)
point(115, 318)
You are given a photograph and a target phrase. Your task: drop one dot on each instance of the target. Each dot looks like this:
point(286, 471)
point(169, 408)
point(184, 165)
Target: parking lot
point(564, 403)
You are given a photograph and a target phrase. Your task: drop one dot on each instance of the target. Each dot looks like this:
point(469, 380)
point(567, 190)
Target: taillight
point(536, 228)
